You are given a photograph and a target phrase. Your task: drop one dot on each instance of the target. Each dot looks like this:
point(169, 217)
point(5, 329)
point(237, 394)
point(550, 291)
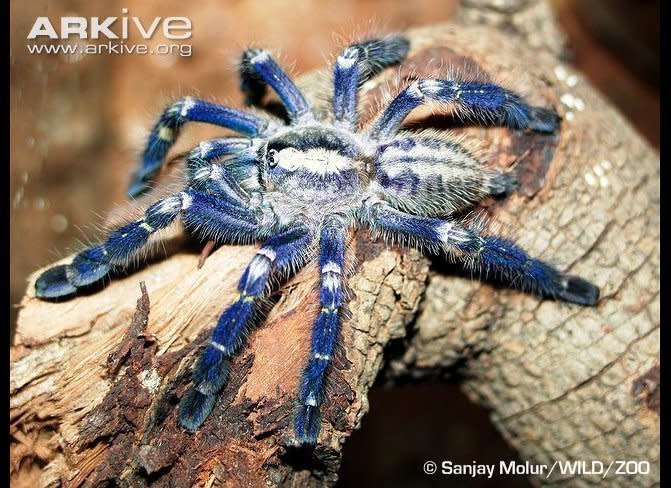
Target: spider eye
point(271, 158)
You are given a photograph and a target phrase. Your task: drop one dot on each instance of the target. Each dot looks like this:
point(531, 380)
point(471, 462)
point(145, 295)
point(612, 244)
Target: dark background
point(77, 128)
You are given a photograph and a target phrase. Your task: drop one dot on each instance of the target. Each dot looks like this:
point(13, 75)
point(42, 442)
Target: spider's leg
point(165, 132)
point(324, 331)
point(216, 148)
point(251, 84)
point(210, 215)
point(259, 69)
point(432, 176)
point(488, 254)
point(221, 218)
point(207, 174)
point(357, 64)
point(483, 102)
point(280, 253)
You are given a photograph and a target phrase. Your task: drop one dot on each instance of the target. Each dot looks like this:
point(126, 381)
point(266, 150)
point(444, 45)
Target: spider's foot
point(63, 281)
point(142, 179)
point(137, 188)
point(210, 375)
point(54, 283)
point(578, 290)
point(194, 408)
point(543, 120)
point(88, 267)
point(504, 183)
point(307, 424)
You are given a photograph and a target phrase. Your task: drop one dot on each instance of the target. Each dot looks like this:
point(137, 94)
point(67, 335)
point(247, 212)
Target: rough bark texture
point(95, 380)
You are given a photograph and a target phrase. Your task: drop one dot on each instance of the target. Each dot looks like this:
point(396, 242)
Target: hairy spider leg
point(258, 69)
point(356, 65)
point(482, 102)
point(166, 130)
point(488, 254)
point(222, 219)
point(218, 178)
point(252, 85)
point(208, 214)
point(280, 253)
point(332, 242)
point(432, 176)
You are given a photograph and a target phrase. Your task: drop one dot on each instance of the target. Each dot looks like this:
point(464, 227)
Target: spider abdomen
point(434, 177)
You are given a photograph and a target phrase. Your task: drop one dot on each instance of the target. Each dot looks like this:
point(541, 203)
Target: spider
point(299, 185)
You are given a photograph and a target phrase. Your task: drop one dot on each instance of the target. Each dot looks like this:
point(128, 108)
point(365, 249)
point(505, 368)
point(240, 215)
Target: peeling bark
point(562, 382)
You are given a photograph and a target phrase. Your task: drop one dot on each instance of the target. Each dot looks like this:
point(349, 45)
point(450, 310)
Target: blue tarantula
point(299, 186)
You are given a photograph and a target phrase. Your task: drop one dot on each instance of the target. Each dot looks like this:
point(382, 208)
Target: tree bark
point(95, 380)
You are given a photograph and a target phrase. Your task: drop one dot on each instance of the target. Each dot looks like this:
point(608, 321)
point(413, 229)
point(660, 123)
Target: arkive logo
point(174, 28)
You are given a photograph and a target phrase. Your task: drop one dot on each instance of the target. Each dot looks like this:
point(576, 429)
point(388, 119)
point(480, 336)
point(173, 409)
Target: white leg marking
point(187, 105)
point(330, 281)
point(269, 253)
point(346, 63)
point(444, 231)
point(257, 268)
point(262, 57)
point(170, 204)
point(221, 347)
point(311, 400)
point(331, 267)
point(415, 90)
point(216, 172)
point(205, 147)
point(430, 87)
point(187, 200)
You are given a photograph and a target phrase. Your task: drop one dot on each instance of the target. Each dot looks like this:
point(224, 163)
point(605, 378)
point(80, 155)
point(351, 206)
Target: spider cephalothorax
point(299, 186)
